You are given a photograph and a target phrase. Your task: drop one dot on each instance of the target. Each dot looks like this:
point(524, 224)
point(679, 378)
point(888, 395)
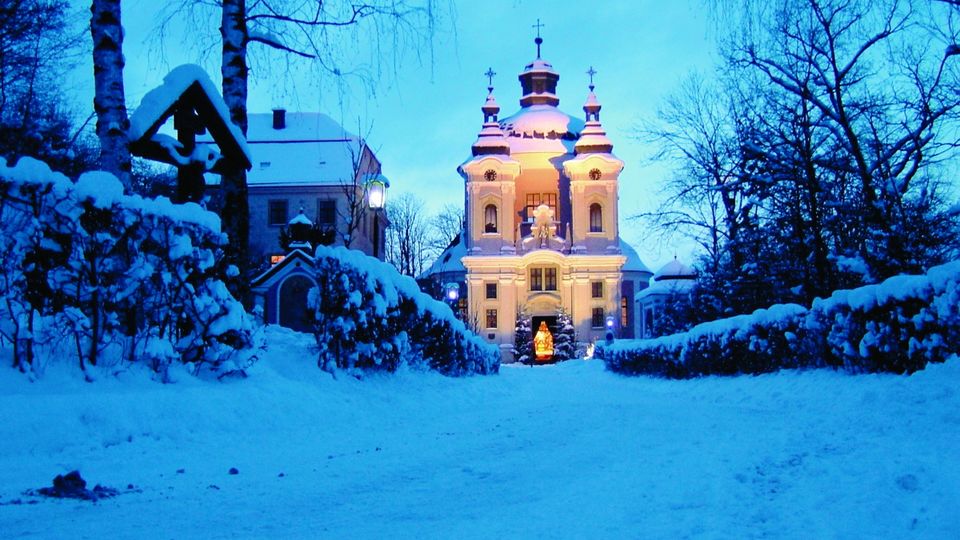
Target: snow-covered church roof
point(448, 261)
point(673, 277)
point(633, 264)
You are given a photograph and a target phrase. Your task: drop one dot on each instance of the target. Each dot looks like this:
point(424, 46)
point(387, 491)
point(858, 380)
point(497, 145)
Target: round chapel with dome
point(541, 232)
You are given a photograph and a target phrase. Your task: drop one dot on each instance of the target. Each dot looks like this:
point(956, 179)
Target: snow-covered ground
point(562, 451)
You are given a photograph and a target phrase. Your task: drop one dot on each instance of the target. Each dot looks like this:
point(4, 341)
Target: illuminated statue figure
point(543, 224)
point(543, 342)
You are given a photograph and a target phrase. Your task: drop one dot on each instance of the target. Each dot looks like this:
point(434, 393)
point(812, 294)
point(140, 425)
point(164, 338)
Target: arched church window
point(596, 218)
point(490, 218)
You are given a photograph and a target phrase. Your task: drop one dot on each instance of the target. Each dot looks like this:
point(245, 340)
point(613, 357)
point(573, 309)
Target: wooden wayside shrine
point(194, 112)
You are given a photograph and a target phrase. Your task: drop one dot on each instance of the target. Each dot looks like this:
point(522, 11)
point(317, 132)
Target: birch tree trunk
point(109, 101)
point(235, 214)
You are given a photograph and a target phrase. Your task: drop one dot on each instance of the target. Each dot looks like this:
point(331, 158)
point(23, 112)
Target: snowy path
point(559, 452)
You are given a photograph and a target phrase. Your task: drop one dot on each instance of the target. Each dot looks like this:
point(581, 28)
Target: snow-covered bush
point(565, 342)
point(522, 339)
point(116, 277)
point(899, 326)
point(763, 341)
point(369, 316)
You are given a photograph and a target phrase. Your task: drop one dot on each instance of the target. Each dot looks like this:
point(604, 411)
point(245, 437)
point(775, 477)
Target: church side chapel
point(541, 244)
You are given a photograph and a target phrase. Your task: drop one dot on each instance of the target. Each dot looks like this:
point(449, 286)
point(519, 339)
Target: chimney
point(279, 118)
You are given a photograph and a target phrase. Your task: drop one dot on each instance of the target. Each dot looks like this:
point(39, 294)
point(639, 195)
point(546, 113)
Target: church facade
point(541, 234)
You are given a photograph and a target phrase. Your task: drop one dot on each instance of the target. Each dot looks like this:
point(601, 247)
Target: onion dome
point(593, 138)
point(491, 139)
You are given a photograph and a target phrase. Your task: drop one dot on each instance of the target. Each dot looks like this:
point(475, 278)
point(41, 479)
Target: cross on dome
point(591, 72)
point(538, 40)
point(490, 74)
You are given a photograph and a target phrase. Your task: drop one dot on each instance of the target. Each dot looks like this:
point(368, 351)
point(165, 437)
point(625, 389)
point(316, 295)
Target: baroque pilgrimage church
point(541, 229)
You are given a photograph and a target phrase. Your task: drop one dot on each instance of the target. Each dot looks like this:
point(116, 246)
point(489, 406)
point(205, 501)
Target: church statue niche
point(543, 224)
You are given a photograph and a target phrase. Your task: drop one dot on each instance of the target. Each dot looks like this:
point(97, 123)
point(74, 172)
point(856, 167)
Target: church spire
point(538, 80)
point(593, 138)
point(491, 139)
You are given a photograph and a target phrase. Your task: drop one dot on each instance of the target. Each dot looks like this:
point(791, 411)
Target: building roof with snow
point(301, 148)
point(673, 277)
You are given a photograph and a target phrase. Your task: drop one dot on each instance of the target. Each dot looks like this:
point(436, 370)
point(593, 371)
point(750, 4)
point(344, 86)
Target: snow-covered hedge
point(898, 326)
point(369, 316)
point(108, 277)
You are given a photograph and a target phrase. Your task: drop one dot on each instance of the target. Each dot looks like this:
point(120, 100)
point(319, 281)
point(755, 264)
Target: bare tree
point(355, 189)
point(407, 237)
point(887, 125)
point(444, 227)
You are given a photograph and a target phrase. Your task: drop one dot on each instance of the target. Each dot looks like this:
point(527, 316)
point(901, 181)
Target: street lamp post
point(377, 199)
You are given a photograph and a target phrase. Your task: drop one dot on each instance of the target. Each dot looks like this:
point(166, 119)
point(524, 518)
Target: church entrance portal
point(544, 355)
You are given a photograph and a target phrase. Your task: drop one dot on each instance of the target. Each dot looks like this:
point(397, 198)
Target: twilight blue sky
point(425, 114)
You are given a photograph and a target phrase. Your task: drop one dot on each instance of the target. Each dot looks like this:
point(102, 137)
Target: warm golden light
point(543, 343)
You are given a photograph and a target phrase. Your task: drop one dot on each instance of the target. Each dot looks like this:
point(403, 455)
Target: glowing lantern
point(377, 192)
point(452, 291)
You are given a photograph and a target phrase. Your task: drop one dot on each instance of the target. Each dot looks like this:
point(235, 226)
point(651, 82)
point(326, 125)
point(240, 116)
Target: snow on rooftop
point(539, 65)
point(448, 261)
point(300, 219)
point(633, 263)
point(312, 148)
point(673, 270)
point(541, 128)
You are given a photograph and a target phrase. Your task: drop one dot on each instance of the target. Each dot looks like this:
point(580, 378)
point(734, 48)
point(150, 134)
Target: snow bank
point(899, 325)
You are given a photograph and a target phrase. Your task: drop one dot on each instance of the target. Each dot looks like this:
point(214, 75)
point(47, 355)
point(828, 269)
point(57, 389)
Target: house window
point(596, 321)
point(536, 199)
point(326, 212)
point(533, 200)
point(550, 199)
point(543, 279)
point(596, 289)
point(276, 259)
point(490, 218)
point(536, 279)
point(596, 218)
point(491, 318)
point(277, 212)
point(491, 291)
point(550, 279)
